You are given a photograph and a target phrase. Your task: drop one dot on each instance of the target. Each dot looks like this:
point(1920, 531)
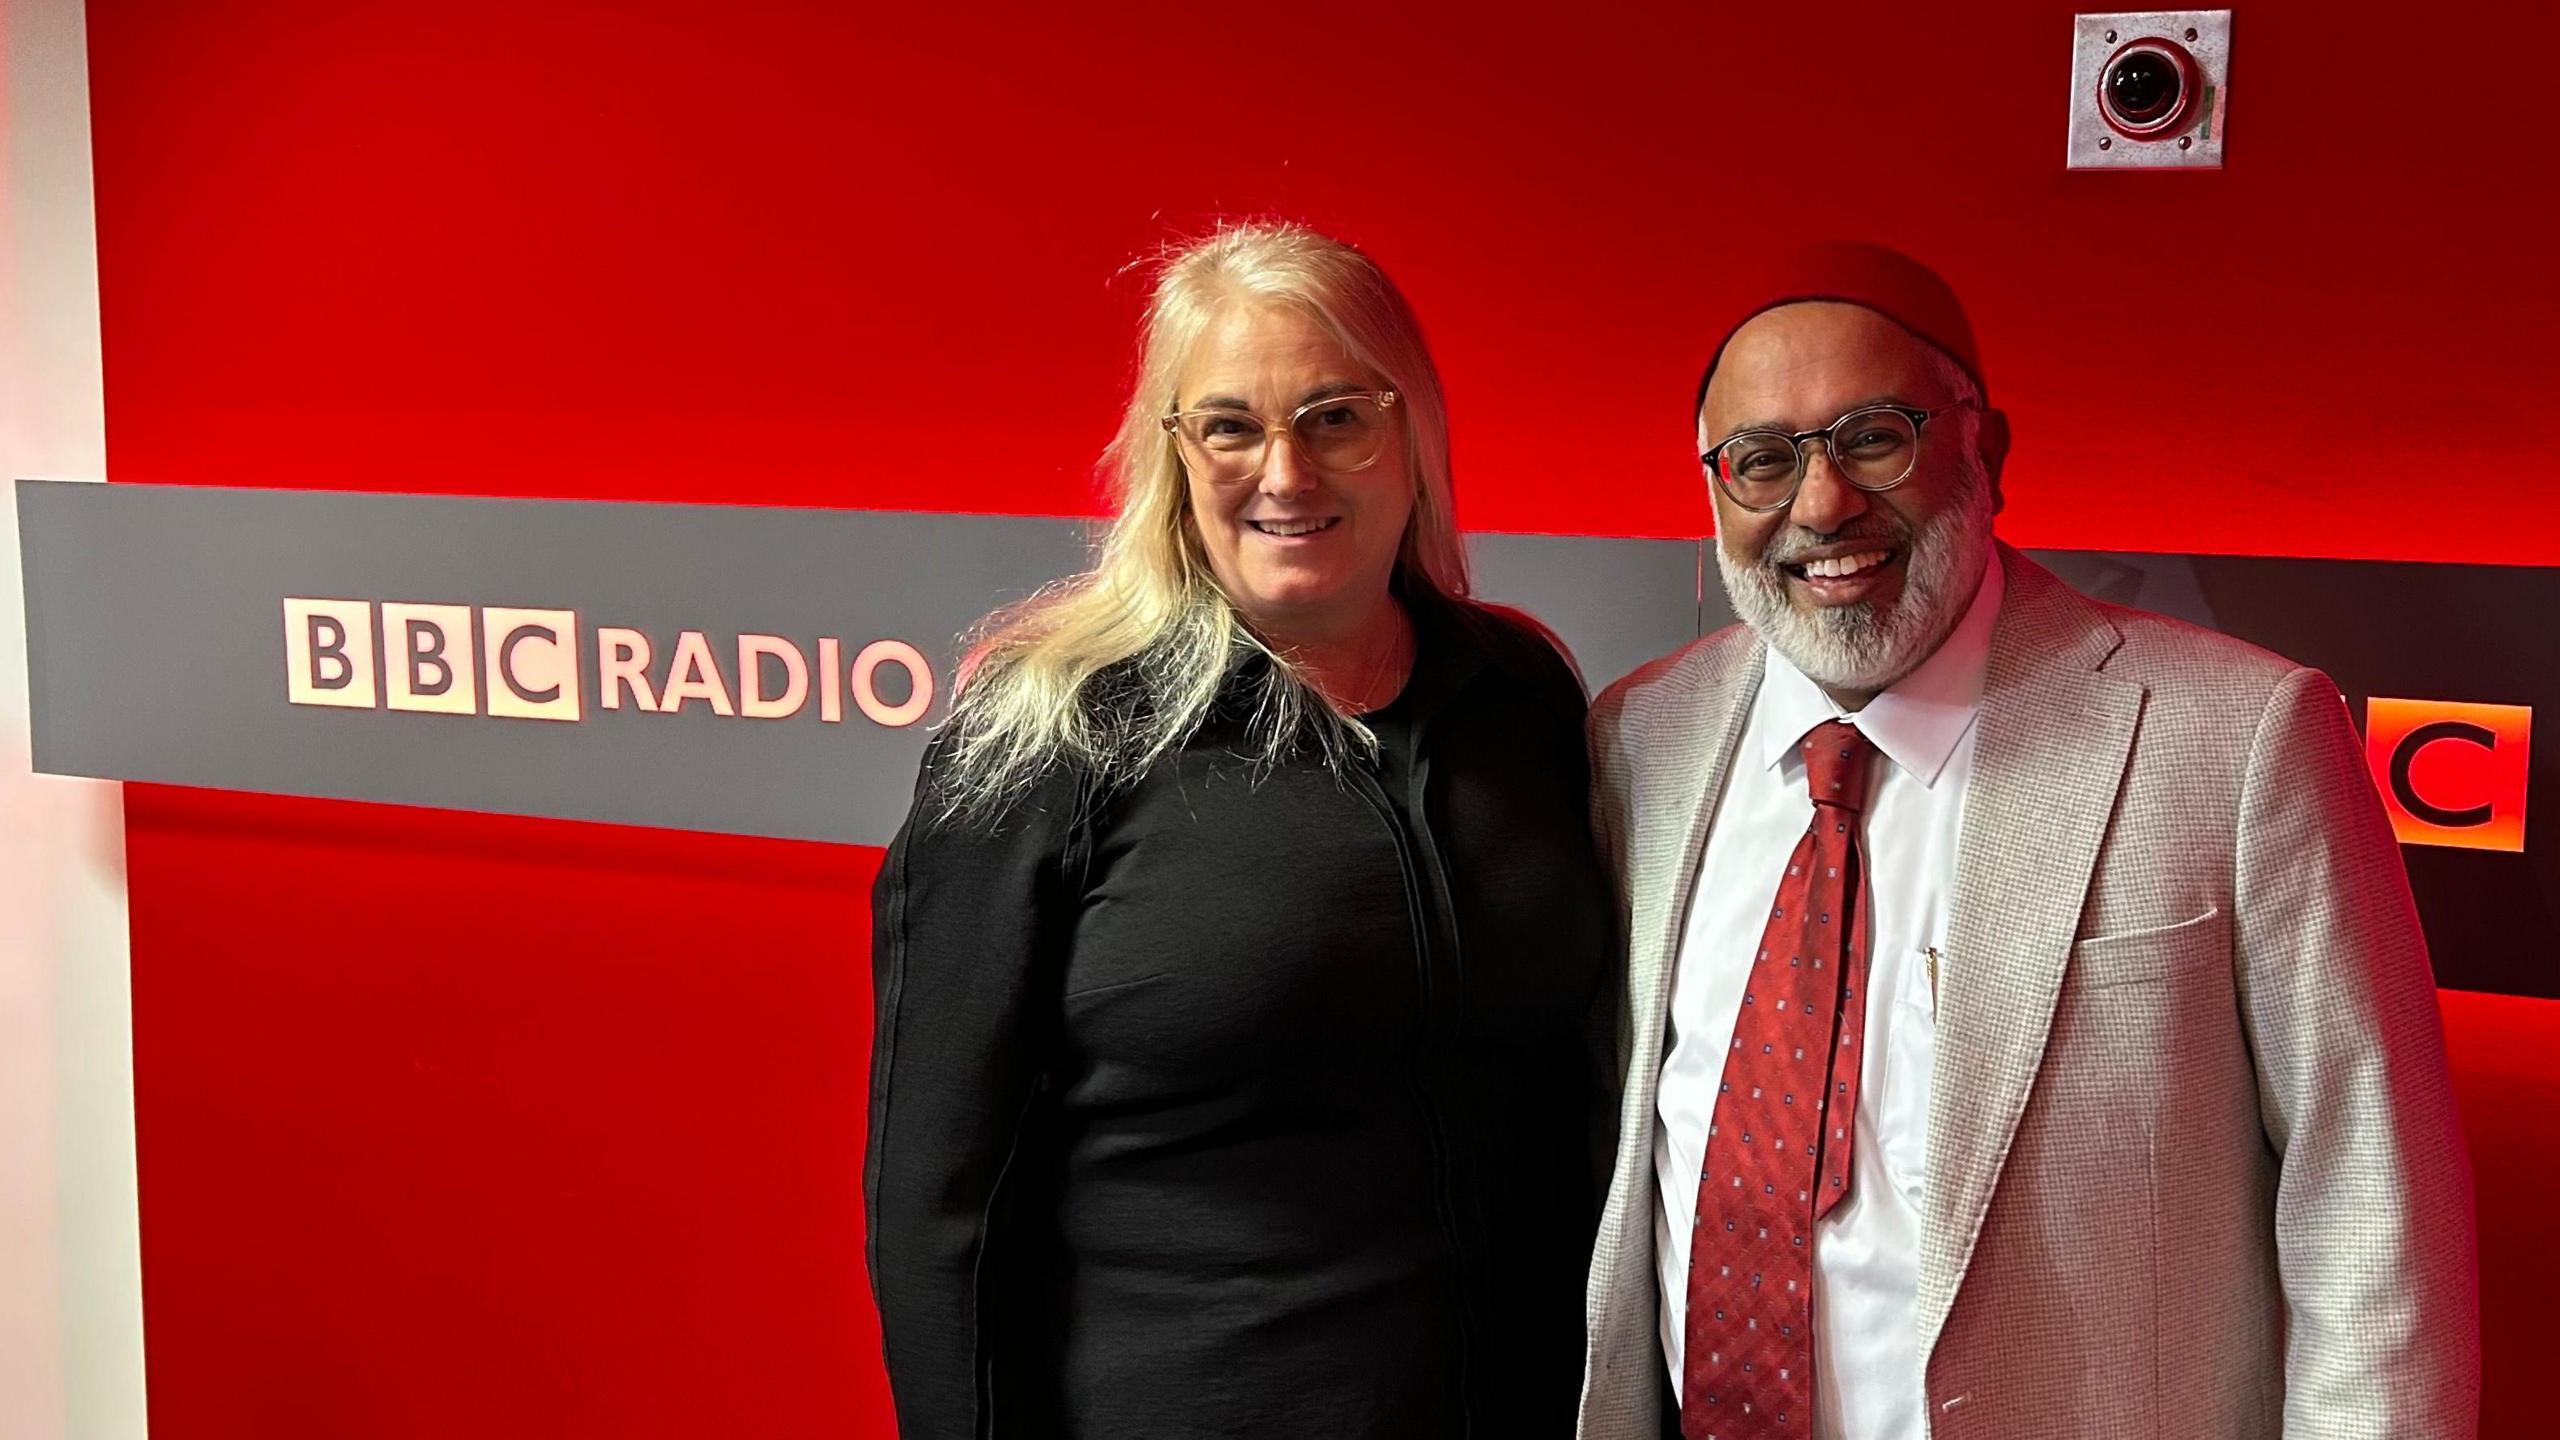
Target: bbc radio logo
point(525, 664)
point(2451, 774)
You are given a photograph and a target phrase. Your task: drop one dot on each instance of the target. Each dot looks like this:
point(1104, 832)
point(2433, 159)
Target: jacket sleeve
point(967, 917)
point(2374, 1226)
point(1611, 783)
point(1608, 1033)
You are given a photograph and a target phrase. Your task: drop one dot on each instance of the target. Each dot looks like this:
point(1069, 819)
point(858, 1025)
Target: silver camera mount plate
point(2193, 139)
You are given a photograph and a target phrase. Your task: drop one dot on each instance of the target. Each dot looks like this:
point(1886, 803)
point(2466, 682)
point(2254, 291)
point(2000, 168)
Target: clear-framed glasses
point(1873, 447)
point(1336, 434)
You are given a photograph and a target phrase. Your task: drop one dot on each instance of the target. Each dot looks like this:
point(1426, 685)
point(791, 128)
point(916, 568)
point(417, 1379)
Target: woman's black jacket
point(1251, 1102)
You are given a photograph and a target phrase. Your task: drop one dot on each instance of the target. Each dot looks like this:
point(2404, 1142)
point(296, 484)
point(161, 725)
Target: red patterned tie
point(1778, 1148)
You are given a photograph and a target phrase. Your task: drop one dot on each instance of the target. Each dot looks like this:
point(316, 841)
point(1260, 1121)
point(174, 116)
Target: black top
point(1252, 1105)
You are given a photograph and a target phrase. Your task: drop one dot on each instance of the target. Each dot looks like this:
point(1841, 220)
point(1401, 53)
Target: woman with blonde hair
point(1230, 1073)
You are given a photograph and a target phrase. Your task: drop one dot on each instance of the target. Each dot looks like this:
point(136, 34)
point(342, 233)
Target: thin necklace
point(1395, 662)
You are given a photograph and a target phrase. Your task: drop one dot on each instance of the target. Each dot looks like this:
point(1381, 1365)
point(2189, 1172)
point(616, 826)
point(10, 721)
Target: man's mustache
point(1784, 549)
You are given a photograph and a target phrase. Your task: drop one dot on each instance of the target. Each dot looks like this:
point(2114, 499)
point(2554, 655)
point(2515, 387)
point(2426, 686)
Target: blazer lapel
point(1699, 726)
point(2050, 749)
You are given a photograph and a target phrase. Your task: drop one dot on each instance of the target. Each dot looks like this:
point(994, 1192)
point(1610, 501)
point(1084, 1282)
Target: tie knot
point(1835, 765)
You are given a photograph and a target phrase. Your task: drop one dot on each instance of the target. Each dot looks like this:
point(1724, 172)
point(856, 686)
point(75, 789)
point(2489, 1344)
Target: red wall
point(468, 1125)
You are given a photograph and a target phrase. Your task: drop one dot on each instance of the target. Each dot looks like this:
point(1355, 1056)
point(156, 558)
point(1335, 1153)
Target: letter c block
point(532, 662)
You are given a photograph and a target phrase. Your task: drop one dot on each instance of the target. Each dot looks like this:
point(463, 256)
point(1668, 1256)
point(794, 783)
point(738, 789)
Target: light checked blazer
point(2194, 1167)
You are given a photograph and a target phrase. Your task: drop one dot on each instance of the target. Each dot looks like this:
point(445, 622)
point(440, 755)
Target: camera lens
point(2149, 88)
point(2144, 87)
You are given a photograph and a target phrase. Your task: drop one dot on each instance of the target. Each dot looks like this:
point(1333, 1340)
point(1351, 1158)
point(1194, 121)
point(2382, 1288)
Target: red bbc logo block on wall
point(2451, 774)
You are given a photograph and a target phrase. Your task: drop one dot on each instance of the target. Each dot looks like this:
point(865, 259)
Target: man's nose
point(1826, 501)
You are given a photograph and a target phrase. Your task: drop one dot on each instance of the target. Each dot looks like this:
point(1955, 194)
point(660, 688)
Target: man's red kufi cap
point(1886, 281)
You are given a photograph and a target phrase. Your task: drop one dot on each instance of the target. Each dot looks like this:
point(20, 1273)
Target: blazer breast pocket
point(2139, 956)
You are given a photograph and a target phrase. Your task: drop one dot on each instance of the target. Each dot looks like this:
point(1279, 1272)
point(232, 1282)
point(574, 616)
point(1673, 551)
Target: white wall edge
point(71, 1348)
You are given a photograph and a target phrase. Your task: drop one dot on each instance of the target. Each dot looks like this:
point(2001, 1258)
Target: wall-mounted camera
point(2148, 90)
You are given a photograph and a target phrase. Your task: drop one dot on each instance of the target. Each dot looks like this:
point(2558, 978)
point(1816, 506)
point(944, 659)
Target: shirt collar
point(1919, 719)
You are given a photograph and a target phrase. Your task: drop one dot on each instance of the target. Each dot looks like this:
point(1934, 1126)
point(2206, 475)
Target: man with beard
point(2029, 1031)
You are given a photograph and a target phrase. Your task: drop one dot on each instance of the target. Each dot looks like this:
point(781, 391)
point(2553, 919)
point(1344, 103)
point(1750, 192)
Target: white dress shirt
point(1866, 1257)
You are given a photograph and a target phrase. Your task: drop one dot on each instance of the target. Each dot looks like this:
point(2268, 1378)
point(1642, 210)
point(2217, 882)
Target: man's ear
point(1991, 439)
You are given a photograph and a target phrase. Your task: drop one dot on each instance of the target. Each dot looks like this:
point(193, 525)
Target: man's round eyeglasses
point(1337, 434)
point(1873, 447)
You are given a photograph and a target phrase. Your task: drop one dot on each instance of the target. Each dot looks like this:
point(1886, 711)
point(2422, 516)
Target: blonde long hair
point(1108, 671)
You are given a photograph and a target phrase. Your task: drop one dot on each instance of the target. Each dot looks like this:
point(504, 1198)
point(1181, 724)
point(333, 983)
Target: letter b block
point(427, 655)
point(328, 652)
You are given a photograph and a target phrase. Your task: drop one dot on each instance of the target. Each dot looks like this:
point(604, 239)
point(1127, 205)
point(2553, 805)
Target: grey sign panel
point(159, 647)
point(739, 669)
point(2165, 583)
point(722, 668)
point(1615, 603)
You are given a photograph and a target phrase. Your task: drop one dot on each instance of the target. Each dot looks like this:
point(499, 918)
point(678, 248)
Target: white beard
point(1851, 647)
